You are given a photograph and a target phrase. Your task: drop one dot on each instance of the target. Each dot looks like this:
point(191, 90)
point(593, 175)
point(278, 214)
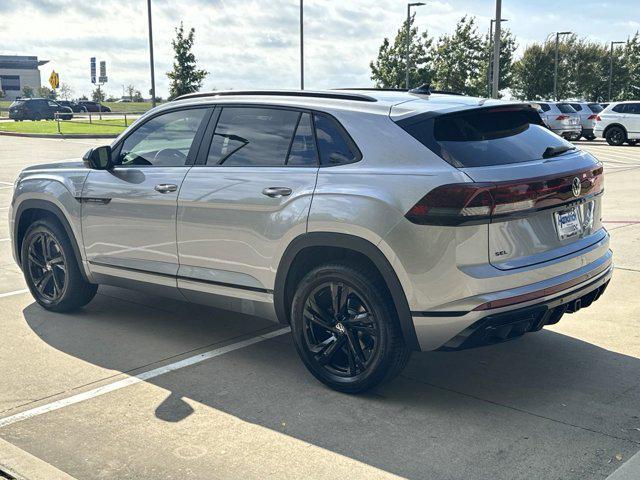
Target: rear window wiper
point(555, 151)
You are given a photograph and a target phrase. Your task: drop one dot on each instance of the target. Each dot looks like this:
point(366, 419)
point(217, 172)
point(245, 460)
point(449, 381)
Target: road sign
point(54, 80)
point(103, 72)
point(93, 69)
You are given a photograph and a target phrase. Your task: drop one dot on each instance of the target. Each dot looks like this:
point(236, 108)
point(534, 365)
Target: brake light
point(468, 203)
point(593, 117)
point(598, 119)
point(562, 117)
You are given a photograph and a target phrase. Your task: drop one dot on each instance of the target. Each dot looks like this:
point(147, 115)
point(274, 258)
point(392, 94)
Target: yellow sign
point(54, 80)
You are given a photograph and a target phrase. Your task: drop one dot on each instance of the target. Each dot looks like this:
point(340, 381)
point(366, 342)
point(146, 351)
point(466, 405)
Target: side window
point(334, 145)
point(247, 136)
point(545, 107)
point(633, 108)
point(303, 147)
point(164, 140)
point(620, 108)
point(576, 106)
point(52, 104)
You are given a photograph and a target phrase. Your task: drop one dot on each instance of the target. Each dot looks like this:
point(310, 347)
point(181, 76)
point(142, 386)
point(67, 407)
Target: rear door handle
point(277, 192)
point(165, 187)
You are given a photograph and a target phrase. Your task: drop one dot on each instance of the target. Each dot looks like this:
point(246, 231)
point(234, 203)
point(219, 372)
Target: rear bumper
point(523, 308)
point(567, 130)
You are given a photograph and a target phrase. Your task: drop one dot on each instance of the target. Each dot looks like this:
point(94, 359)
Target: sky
point(255, 44)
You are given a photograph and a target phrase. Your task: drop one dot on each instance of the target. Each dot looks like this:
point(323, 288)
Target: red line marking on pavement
point(620, 221)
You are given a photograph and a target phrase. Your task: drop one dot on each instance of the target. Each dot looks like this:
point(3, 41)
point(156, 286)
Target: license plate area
point(568, 223)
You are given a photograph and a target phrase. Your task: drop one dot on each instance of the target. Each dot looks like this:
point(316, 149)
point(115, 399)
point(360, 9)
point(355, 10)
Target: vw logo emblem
point(576, 187)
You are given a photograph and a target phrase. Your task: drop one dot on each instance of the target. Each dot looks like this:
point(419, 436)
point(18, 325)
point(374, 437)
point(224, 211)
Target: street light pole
point(611, 68)
point(153, 76)
point(408, 39)
point(496, 49)
point(301, 44)
point(555, 65)
point(489, 63)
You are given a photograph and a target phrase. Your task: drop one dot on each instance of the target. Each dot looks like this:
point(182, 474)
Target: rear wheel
point(346, 329)
point(51, 268)
point(616, 136)
point(590, 137)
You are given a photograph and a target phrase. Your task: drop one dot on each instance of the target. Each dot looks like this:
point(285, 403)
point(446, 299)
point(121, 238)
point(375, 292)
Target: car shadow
point(546, 403)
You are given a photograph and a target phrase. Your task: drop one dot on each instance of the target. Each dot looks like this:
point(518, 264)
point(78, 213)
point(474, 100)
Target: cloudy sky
point(254, 44)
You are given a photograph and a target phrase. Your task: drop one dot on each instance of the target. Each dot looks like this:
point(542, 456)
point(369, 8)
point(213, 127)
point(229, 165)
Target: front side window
point(633, 108)
point(164, 140)
point(334, 145)
point(248, 136)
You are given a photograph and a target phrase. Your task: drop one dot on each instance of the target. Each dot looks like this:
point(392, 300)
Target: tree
point(508, 47)
point(185, 76)
point(46, 92)
point(131, 90)
point(631, 64)
point(458, 59)
point(389, 69)
point(531, 79)
point(65, 91)
point(97, 95)
point(27, 91)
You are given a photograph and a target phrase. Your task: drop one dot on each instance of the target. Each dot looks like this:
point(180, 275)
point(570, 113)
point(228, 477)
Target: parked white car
point(561, 118)
point(587, 111)
point(619, 123)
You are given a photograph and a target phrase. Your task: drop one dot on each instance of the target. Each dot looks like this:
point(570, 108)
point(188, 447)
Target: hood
point(71, 164)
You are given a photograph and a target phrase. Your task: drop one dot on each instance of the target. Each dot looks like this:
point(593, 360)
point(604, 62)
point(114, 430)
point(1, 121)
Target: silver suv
point(374, 223)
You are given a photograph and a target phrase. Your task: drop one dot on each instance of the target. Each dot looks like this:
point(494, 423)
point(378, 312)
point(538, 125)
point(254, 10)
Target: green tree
point(508, 47)
point(458, 59)
point(531, 77)
point(97, 95)
point(46, 92)
point(65, 91)
point(389, 69)
point(27, 91)
point(630, 88)
point(185, 76)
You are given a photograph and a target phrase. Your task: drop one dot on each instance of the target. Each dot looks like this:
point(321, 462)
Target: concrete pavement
point(563, 403)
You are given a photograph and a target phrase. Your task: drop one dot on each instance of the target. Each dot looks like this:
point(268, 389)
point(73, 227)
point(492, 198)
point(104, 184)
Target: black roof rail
point(281, 93)
point(424, 89)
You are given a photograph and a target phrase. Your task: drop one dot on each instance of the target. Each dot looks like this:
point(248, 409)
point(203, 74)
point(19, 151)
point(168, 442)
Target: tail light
point(598, 119)
point(593, 117)
point(472, 203)
point(562, 117)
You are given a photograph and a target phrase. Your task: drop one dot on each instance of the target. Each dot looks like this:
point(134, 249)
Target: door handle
point(277, 192)
point(165, 187)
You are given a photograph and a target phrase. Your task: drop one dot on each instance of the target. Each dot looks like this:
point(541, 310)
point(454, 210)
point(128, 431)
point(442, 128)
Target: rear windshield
point(483, 137)
point(595, 107)
point(566, 108)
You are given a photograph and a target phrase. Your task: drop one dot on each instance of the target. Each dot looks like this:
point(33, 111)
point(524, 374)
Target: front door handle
point(277, 192)
point(165, 188)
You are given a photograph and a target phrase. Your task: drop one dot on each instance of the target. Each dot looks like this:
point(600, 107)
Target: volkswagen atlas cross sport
point(374, 223)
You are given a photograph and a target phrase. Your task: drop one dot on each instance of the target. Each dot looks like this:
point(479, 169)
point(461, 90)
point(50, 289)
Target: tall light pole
point(301, 44)
point(496, 49)
point(489, 66)
point(153, 76)
point(555, 65)
point(611, 67)
point(408, 42)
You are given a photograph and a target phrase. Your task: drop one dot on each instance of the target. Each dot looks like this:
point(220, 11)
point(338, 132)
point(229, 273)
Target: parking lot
point(137, 386)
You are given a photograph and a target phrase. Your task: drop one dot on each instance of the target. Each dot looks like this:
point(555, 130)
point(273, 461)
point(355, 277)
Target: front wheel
point(616, 136)
point(346, 329)
point(51, 268)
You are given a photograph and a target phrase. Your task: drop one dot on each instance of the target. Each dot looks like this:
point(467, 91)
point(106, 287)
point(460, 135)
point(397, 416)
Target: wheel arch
point(608, 127)
point(32, 209)
point(306, 251)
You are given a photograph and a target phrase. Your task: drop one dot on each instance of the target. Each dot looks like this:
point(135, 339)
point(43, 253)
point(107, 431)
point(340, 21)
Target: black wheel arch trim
point(36, 204)
point(356, 244)
point(611, 125)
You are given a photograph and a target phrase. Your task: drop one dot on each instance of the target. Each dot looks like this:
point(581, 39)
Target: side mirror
point(99, 158)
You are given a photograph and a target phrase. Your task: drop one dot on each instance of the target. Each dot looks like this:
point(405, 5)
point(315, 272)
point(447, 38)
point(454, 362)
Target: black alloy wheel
point(47, 267)
point(339, 329)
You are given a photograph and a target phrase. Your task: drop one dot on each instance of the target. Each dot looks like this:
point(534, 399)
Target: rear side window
point(303, 147)
point(620, 108)
point(595, 107)
point(545, 107)
point(334, 144)
point(246, 136)
point(483, 137)
point(566, 108)
point(577, 107)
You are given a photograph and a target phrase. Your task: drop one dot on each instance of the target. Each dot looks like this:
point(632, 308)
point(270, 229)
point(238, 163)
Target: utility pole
point(555, 65)
point(496, 49)
point(153, 76)
point(408, 39)
point(611, 68)
point(489, 63)
point(301, 45)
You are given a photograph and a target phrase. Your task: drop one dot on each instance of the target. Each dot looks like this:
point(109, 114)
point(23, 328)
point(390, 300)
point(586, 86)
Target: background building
point(18, 71)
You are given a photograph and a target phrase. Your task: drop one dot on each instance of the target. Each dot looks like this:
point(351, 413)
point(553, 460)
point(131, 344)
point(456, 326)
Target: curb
point(22, 465)
point(58, 135)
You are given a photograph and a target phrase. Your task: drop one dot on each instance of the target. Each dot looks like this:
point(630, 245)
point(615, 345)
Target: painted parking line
point(15, 292)
point(4, 239)
point(96, 392)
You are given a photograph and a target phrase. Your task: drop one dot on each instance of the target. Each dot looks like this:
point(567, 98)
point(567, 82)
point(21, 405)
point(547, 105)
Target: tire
point(590, 137)
point(632, 143)
point(616, 136)
point(36, 117)
point(65, 289)
point(359, 348)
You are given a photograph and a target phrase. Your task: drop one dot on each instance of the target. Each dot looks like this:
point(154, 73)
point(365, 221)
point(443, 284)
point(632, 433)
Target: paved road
point(136, 386)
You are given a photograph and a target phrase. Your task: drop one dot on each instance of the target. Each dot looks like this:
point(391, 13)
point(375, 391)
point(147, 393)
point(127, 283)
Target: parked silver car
point(561, 118)
point(588, 112)
point(374, 223)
